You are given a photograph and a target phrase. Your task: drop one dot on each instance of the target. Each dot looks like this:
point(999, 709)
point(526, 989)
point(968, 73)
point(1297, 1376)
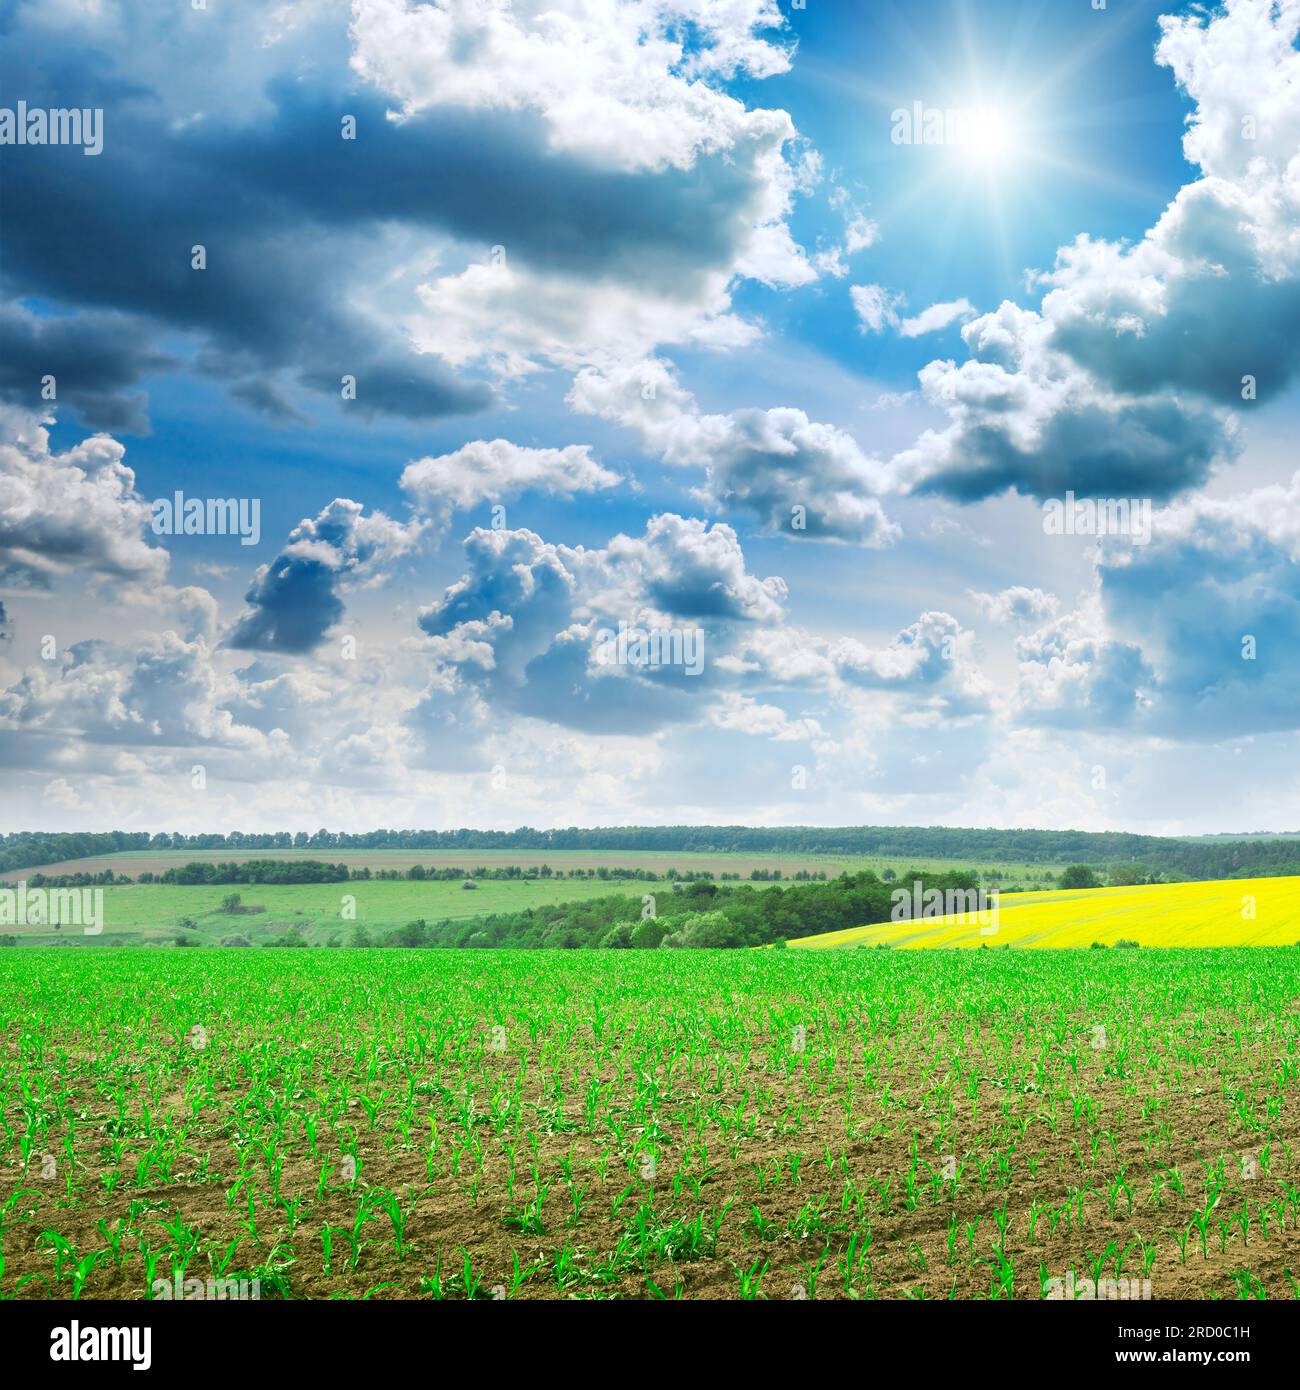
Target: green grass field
point(142, 914)
point(151, 912)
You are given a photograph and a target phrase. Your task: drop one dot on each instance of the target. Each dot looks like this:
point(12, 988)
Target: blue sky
point(654, 320)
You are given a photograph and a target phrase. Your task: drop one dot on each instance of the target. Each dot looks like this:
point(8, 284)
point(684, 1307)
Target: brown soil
point(797, 1117)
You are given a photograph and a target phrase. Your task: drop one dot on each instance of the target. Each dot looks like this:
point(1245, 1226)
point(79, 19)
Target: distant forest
point(1148, 855)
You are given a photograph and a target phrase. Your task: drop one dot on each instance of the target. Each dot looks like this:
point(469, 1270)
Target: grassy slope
point(144, 912)
point(1178, 914)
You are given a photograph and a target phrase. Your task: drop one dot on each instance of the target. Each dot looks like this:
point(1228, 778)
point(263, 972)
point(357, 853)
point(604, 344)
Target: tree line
point(702, 914)
point(1106, 851)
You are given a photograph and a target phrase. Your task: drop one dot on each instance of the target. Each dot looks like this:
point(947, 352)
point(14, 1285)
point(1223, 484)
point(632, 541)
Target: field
point(151, 913)
point(135, 862)
point(145, 912)
point(767, 1124)
point(1230, 912)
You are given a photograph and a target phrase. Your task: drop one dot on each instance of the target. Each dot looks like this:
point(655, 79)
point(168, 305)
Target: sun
point(988, 137)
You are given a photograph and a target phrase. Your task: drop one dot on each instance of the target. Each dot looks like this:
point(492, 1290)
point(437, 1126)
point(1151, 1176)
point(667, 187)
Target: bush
point(1079, 876)
point(413, 935)
point(708, 931)
point(1124, 944)
point(235, 941)
point(647, 934)
point(231, 902)
point(1126, 875)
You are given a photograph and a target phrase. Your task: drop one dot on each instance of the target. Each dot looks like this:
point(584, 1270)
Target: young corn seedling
point(751, 1279)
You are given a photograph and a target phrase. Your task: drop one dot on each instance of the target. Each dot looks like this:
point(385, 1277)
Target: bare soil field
point(135, 862)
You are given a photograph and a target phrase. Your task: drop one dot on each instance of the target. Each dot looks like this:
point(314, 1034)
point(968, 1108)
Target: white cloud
point(497, 470)
point(935, 653)
point(1073, 674)
point(1018, 604)
point(77, 511)
point(937, 316)
point(523, 626)
point(618, 89)
point(743, 714)
point(875, 306)
point(162, 691)
point(610, 80)
point(1122, 382)
point(1242, 69)
point(516, 320)
point(802, 478)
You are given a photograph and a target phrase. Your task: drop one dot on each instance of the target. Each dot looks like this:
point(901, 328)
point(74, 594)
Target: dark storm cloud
point(1153, 448)
point(292, 218)
point(293, 604)
point(295, 600)
point(95, 358)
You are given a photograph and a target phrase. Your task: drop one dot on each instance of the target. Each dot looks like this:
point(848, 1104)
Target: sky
point(650, 412)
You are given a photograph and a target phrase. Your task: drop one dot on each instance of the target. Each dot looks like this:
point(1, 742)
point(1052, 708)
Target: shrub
point(647, 934)
point(707, 931)
point(619, 936)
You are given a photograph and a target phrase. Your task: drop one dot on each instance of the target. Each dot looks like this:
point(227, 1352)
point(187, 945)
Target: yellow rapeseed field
point(1231, 912)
